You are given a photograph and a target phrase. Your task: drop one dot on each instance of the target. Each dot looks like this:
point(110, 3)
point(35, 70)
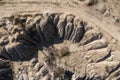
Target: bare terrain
point(59, 40)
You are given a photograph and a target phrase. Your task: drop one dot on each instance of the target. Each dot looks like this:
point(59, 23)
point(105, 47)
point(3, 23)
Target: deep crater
point(33, 32)
point(56, 46)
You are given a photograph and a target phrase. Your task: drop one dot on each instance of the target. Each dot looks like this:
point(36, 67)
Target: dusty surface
point(95, 57)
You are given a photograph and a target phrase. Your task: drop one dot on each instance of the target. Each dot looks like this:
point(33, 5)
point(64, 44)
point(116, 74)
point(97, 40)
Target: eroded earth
point(56, 46)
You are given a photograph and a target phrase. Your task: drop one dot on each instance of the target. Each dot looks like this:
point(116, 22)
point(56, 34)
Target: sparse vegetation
point(55, 3)
point(75, 2)
point(62, 53)
point(91, 2)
